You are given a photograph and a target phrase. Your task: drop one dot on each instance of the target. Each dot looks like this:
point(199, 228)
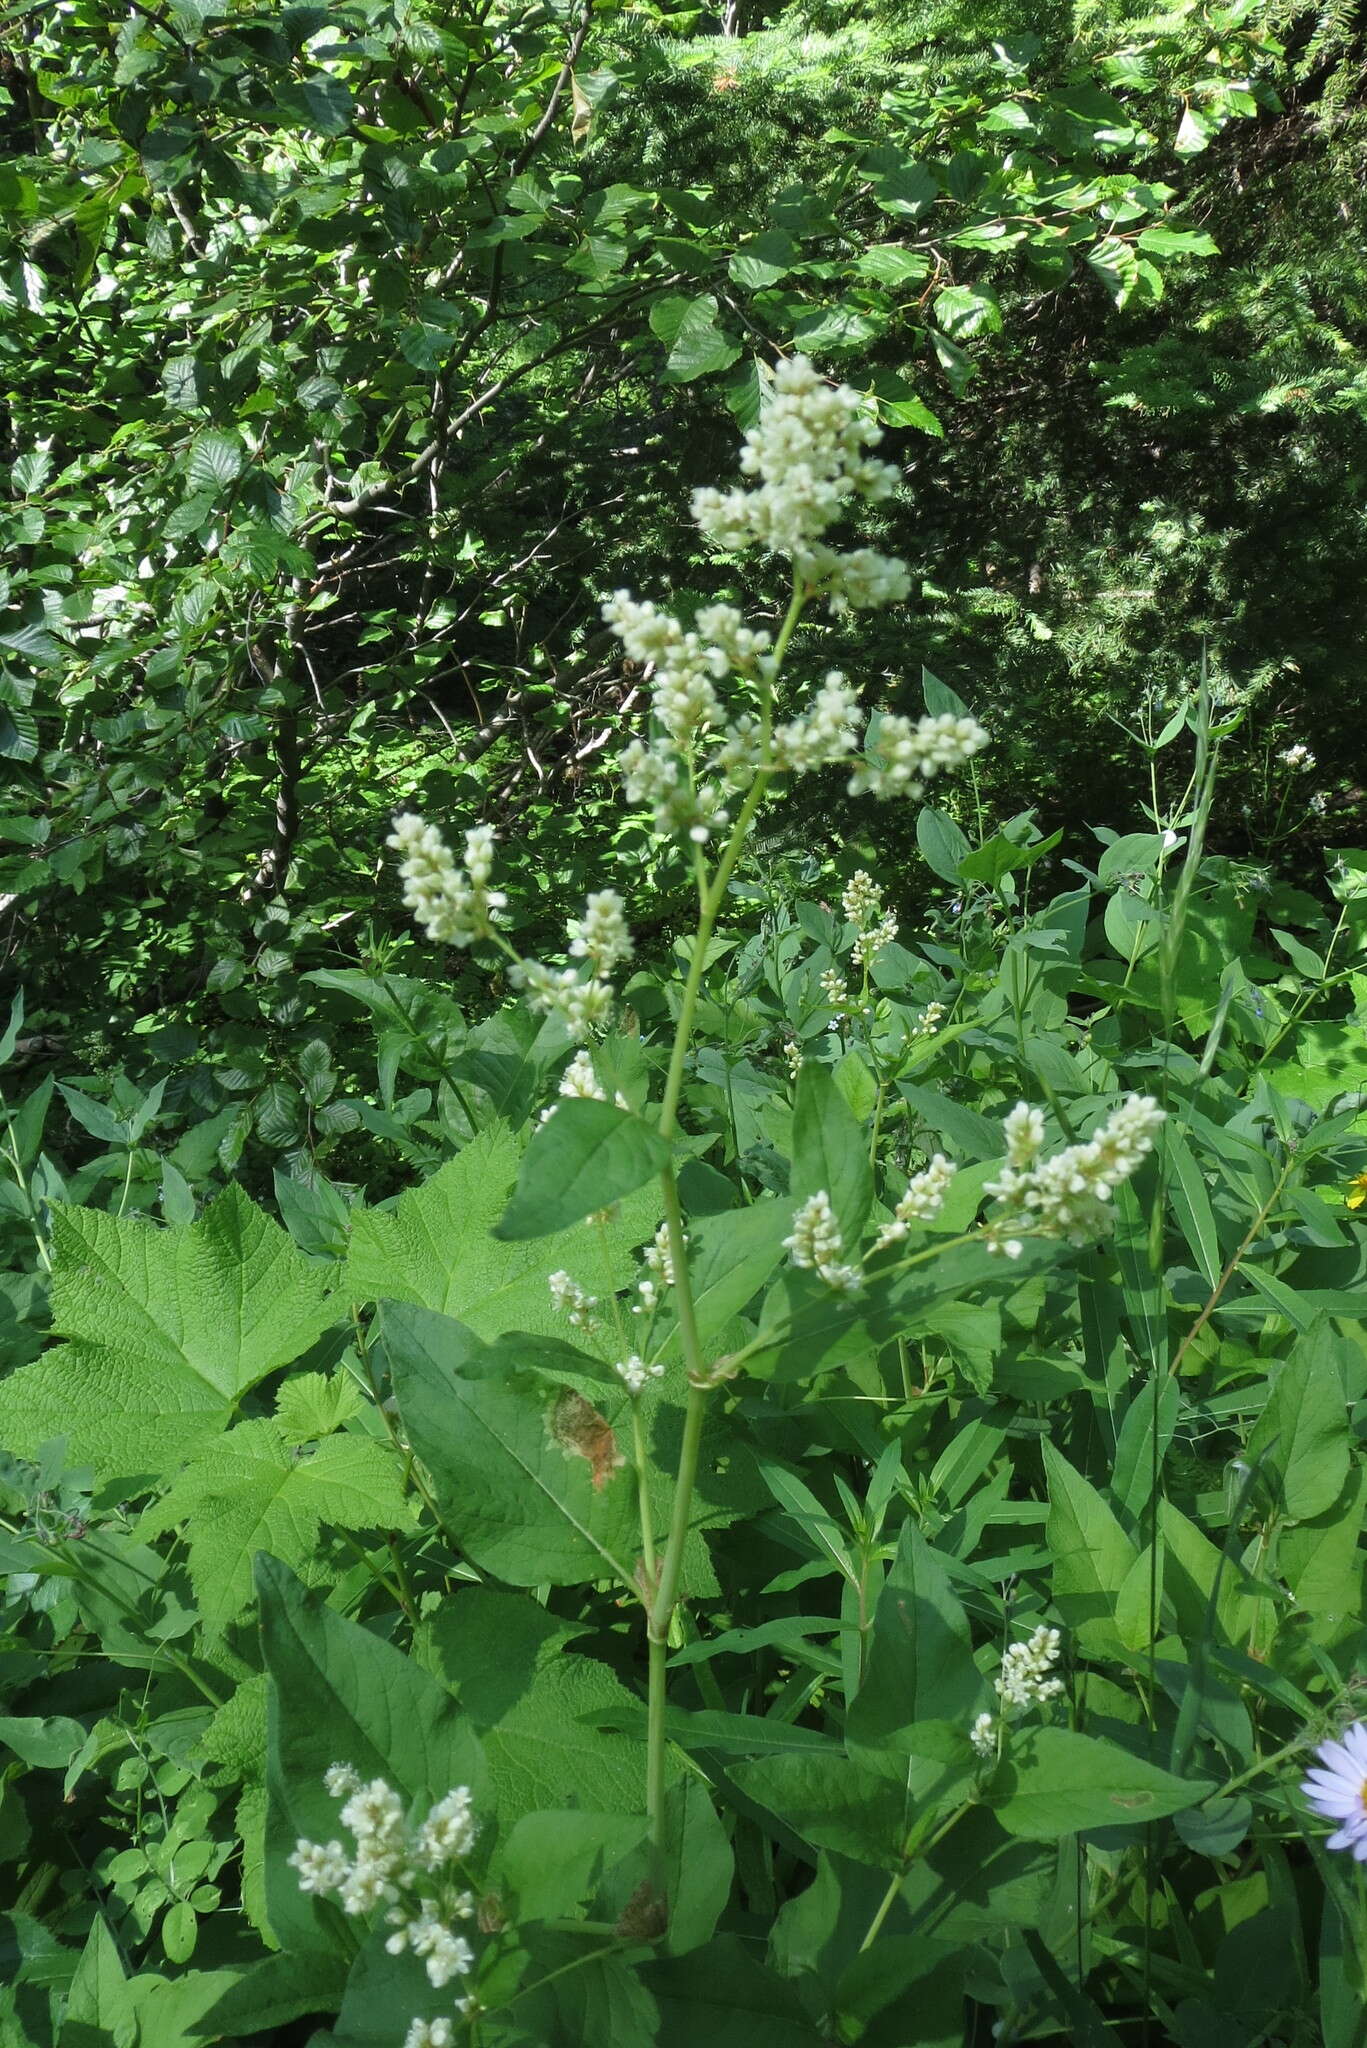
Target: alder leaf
point(167, 1328)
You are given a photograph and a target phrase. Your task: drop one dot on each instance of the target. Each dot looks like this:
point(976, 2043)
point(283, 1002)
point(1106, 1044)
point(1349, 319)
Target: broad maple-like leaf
point(167, 1330)
point(252, 1490)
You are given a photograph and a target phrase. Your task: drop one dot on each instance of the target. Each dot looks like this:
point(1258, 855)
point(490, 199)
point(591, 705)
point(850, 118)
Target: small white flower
point(1023, 1129)
point(452, 907)
point(659, 1255)
point(579, 1081)
point(834, 987)
point(808, 452)
point(860, 581)
point(983, 1735)
point(1298, 756)
point(929, 1021)
point(445, 1955)
point(635, 1374)
point(429, 2034)
point(449, 1830)
point(341, 1780)
point(573, 1301)
point(322, 1866)
point(600, 936)
point(1025, 1674)
point(374, 1812)
point(816, 1234)
point(922, 1202)
point(583, 1006)
point(901, 758)
point(815, 1244)
point(1069, 1195)
point(827, 732)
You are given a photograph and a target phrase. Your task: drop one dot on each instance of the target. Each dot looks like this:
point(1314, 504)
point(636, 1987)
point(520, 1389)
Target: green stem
point(711, 895)
point(909, 1856)
point(658, 1651)
point(667, 1593)
point(638, 1450)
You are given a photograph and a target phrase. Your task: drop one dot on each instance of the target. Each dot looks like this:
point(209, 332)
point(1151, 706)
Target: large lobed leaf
point(435, 1248)
point(254, 1490)
point(167, 1330)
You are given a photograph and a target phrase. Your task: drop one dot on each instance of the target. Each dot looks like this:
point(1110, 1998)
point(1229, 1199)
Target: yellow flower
point(1357, 1192)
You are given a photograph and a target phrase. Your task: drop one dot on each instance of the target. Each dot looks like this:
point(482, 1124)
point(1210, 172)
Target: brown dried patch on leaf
point(579, 1429)
point(645, 1915)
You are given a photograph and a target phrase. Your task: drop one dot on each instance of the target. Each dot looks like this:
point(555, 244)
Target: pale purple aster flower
point(1339, 1791)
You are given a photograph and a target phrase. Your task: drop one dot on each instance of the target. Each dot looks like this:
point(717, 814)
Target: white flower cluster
point(681, 805)
point(874, 927)
point(860, 581)
point(929, 1021)
point(809, 452)
point(825, 734)
point(579, 1083)
point(601, 940)
point(1068, 1196)
point(635, 1374)
point(659, 1258)
point(409, 1871)
point(582, 1006)
point(432, 2033)
point(1298, 756)
point(841, 998)
point(454, 907)
point(1025, 1678)
point(569, 1299)
point(600, 936)
point(983, 1735)
point(901, 758)
point(922, 1202)
point(816, 1244)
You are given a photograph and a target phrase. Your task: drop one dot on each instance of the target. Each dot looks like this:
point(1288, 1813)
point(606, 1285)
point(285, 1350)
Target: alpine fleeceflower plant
point(717, 737)
point(874, 927)
point(922, 1202)
point(415, 1873)
point(453, 907)
point(713, 683)
point(1338, 1790)
point(1068, 1196)
point(1027, 1673)
point(816, 1244)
